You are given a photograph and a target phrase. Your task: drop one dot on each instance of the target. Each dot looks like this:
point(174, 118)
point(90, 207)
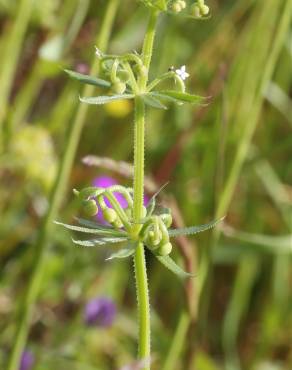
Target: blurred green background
point(232, 157)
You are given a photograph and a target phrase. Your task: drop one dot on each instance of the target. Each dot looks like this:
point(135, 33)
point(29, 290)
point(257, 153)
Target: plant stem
point(139, 143)
point(57, 194)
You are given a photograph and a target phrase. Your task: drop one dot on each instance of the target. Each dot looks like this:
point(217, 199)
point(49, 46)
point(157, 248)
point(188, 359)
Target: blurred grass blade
point(11, 56)
point(71, 143)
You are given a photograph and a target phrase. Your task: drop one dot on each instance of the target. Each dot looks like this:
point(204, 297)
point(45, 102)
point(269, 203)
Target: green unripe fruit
point(110, 215)
point(89, 207)
point(182, 4)
point(123, 76)
point(118, 87)
point(204, 9)
point(176, 7)
point(165, 249)
point(140, 70)
point(167, 219)
point(155, 237)
point(196, 11)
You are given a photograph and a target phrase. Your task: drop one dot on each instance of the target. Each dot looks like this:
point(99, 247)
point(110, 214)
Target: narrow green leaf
point(193, 229)
point(122, 253)
point(179, 97)
point(92, 224)
point(152, 202)
point(169, 263)
point(100, 231)
point(98, 242)
point(89, 80)
point(153, 101)
point(99, 100)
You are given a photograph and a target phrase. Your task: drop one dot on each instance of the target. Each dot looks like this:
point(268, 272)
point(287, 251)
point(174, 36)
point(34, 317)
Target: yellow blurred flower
point(33, 153)
point(118, 108)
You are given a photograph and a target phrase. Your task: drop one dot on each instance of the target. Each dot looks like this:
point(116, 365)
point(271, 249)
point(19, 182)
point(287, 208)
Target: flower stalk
point(139, 148)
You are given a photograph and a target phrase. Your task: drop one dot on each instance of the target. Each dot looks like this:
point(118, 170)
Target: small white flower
point(182, 73)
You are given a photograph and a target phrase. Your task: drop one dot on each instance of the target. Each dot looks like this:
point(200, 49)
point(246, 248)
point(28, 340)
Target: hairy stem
point(55, 200)
point(139, 143)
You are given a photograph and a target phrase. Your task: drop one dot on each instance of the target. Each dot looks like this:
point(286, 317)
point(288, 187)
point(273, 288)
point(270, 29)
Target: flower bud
point(155, 237)
point(204, 9)
point(140, 70)
point(110, 215)
point(118, 87)
point(196, 11)
point(123, 75)
point(89, 207)
point(176, 7)
point(165, 249)
point(182, 4)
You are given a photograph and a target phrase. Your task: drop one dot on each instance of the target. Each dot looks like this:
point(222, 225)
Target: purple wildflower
point(26, 361)
point(105, 182)
point(100, 311)
point(82, 68)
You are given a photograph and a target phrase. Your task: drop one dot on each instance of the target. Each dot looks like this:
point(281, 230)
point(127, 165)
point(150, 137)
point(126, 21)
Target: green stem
point(139, 143)
point(57, 194)
point(148, 46)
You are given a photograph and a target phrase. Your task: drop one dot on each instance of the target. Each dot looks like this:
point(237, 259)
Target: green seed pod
point(89, 207)
point(196, 11)
point(110, 215)
point(150, 241)
point(140, 70)
point(167, 219)
point(204, 9)
point(123, 75)
point(155, 237)
point(118, 87)
point(87, 192)
point(182, 4)
point(165, 249)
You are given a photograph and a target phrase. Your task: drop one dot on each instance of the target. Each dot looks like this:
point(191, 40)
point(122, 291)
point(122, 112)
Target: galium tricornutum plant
point(137, 227)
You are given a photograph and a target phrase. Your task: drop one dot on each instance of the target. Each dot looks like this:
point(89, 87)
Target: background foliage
point(231, 157)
